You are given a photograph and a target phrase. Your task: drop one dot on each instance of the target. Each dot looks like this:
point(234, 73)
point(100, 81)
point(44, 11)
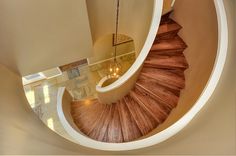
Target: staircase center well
point(151, 100)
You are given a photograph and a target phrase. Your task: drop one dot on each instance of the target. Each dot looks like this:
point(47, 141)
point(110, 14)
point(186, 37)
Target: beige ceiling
point(36, 35)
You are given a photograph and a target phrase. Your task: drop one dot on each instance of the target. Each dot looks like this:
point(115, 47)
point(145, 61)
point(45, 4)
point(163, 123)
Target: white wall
point(134, 21)
point(39, 35)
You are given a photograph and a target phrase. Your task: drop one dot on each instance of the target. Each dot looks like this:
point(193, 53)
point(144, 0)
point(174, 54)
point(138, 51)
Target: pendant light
point(115, 67)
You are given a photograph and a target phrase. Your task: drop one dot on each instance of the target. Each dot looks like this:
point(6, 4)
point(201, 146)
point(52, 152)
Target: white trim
point(157, 12)
point(181, 123)
point(100, 83)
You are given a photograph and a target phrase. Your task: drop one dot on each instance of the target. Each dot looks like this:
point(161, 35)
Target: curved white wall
point(138, 21)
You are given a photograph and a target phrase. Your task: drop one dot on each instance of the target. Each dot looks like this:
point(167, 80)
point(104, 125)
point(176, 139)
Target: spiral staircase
point(153, 97)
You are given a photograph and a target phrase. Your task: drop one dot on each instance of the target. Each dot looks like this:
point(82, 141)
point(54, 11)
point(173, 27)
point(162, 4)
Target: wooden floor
point(148, 104)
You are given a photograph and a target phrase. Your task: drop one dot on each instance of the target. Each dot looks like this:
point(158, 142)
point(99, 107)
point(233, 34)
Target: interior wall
point(200, 33)
point(104, 49)
point(40, 35)
point(212, 132)
point(134, 19)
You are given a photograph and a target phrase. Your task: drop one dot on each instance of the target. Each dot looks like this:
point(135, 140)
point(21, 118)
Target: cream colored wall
point(103, 49)
point(134, 20)
point(211, 132)
point(39, 35)
point(199, 22)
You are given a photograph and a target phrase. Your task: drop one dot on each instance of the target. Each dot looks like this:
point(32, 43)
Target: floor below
point(79, 81)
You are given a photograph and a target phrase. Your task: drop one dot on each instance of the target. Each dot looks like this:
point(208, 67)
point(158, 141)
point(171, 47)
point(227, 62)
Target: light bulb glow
point(114, 69)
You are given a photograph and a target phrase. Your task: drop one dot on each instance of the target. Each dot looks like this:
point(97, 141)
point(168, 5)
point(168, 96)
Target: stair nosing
point(150, 92)
point(143, 106)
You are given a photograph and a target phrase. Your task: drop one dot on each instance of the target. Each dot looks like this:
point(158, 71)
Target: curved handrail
point(101, 82)
point(157, 10)
point(67, 121)
point(183, 121)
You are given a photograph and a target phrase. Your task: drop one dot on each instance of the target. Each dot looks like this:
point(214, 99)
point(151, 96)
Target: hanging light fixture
point(115, 67)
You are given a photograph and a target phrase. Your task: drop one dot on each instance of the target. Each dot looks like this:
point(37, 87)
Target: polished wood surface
point(166, 62)
point(143, 119)
point(114, 132)
point(169, 45)
point(168, 30)
point(129, 128)
point(149, 103)
point(165, 77)
point(162, 93)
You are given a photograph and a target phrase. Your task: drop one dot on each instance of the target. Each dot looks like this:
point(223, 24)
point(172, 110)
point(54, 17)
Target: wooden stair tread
point(144, 121)
point(105, 138)
point(175, 43)
point(165, 77)
point(172, 89)
point(100, 129)
point(171, 26)
point(85, 115)
point(161, 93)
point(142, 92)
point(170, 52)
point(114, 131)
point(129, 128)
point(166, 62)
point(78, 104)
point(150, 105)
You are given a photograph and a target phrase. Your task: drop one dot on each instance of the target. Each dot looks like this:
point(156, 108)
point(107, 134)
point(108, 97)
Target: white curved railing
point(178, 125)
point(104, 79)
point(156, 17)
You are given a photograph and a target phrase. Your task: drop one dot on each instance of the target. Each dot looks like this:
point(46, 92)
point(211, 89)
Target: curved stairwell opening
point(142, 103)
point(153, 97)
point(148, 113)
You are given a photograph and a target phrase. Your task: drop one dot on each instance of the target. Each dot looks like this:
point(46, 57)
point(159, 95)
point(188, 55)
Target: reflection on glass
point(50, 123)
point(46, 94)
point(31, 98)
